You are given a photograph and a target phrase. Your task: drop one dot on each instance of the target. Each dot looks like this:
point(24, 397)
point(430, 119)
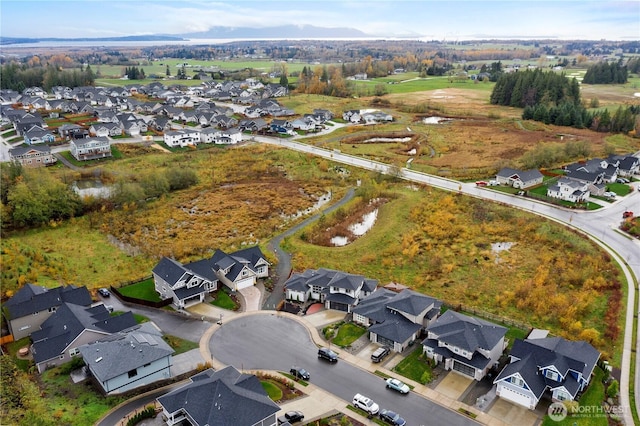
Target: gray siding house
point(129, 359)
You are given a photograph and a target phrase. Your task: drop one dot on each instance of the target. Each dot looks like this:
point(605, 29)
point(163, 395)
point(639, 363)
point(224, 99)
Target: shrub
point(148, 413)
point(614, 389)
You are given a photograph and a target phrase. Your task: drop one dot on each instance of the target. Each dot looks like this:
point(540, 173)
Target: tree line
point(606, 73)
point(33, 197)
point(19, 77)
point(554, 99)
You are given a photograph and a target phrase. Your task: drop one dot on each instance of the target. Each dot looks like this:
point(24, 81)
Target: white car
point(397, 385)
point(366, 404)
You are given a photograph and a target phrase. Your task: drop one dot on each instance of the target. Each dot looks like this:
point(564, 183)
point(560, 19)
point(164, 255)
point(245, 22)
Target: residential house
point(596, 166)
point(190, 283)
point(8, 96)
point(34, 91)
point(467, 345)
point(160, 123)
point(352, 116)
point(129, 359)
point(105, 129)
point(569, 190)
point(521, 179)
point(254, 126)
point(273, 90)
point(595, 180)
point(325, 113)
point(72, 131)
point(305, 124)
point(182, 137)
point(396, 319)
point(220, 136)
point(629, 166)
point(376, 117)
point(225, 397)
point(33, 156)
point(337, 290)
point(32, 305)
point(552, 364)
point(70, 327)
point(281, 126)
point(37, 136)
point(90, 148)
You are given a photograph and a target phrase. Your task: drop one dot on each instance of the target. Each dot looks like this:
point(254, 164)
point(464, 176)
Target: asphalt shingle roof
point(465, 332)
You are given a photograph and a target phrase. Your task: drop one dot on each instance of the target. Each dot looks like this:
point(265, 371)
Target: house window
point(74, 352)
point(132, 373)
point(561, 396)
point(550, 374)
point(517, 381)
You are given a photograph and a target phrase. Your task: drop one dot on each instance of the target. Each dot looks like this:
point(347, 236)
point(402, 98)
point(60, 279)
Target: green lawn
point(223, 300)
point(179, 345)
point(415, 367)
point(144, 290)
point(273, 391)
point(347, 334)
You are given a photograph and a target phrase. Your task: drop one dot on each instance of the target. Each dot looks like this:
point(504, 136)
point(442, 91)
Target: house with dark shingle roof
point(33, 156)
point(337, 290)
point(467, 345)
point(126, 360)
point(521, 179)
point(222, 398)
point(190, 283)
point(32, 305)
point(396, 319)
point(555, 365)
point(70, 327)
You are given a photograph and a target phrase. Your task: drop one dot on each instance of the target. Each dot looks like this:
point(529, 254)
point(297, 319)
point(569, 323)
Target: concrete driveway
point(513, 414)
point(454, 385)
point(325, 317)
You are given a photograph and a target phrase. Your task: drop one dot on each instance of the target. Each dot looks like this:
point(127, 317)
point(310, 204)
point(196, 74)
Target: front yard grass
point(415, 367)
point(347, 334)
point(178, 344)
point(273, 390)
point(223, 300)
point(143, 290)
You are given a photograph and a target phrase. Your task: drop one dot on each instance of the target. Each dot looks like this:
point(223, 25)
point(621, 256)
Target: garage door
point(339, 306)
point(515, 396)
point(247, 282)
point(464, 369)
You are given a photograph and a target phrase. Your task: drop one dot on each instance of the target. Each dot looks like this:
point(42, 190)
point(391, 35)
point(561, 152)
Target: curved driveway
point(600, 225)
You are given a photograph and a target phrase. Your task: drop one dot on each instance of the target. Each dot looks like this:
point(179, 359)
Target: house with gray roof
point(561, 367)
point(90, 148)
point(337, 290)
point(70, 327)
point(521, 179)
point(396, 319)
point(189, 284)
point(464, 344)
point(129, 359)
point(32, 305)
point(569, 190)
point(33, 156)
point(222, 398)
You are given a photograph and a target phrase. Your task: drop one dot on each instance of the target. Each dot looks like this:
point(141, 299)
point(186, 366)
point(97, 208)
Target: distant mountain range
point(280, 32)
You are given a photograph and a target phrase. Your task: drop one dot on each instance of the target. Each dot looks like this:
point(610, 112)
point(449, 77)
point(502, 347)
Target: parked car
point(291, 417)
point(627, 214)
point(366, 404)
point(300, 373)
point(327, 354)
point(610, 194)
point(104, 292)
point(379, 354)
point(397, 385)
point(109, 308)
point(392, 418)
point(481, 183)
point(622, 180)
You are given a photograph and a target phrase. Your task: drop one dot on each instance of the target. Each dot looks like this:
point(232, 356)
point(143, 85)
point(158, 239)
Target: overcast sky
point(451, 20)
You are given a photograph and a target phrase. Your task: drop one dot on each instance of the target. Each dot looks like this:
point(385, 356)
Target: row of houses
point(81, 150)
point(538, 365)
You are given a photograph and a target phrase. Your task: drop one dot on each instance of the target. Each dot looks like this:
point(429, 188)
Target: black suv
point(300, 373)
point(328, 354)
point(379, 354)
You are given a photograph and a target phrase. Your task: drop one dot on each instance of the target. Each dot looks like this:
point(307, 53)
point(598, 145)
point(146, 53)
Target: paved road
point(283, 269)
point(276, 343)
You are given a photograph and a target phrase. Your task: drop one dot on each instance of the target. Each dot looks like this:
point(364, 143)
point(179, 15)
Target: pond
point(435, 120)
point(357, 229)
point(92, 188)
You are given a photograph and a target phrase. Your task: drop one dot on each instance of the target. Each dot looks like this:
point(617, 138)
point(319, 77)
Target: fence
point(489, 316)
point(130, 299)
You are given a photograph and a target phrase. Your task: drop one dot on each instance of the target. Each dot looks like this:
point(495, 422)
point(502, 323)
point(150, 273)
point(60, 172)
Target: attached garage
point(244, 283)
point(516, 397)
point(339, 306)
point(465, 369)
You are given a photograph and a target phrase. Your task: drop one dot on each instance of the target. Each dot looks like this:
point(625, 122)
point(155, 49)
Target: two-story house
point(337, 290)
point(396, 319)
point(189, 284)
point(521, 179)
point(569, 190)
point(182, 137)
point(32, 305)
point(90, 148)
point(467, 345)
point(33, 156)
point(559, 366)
